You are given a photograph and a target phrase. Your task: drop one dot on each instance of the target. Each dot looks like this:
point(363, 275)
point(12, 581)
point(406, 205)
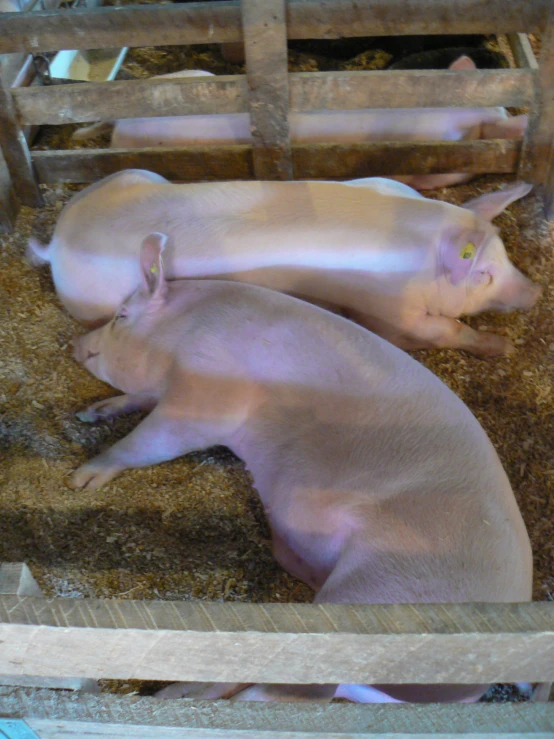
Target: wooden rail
point(194, 163)
point(276, 643)
point(53, 714)
point(307, 91)
point(202, 23)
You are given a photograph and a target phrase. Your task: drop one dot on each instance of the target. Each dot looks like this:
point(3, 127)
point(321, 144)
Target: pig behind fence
point(379, 484)
point(331, 126)
point(400, 264)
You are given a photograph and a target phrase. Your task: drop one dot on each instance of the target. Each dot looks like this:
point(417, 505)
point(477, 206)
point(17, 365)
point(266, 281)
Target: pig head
point(379, 484)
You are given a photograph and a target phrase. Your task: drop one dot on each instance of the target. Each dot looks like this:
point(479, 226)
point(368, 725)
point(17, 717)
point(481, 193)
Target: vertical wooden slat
point(522, 51)
point(536, 160)
point(543, 693)
point(265, 50)
point(8, 204)
point(16, 152)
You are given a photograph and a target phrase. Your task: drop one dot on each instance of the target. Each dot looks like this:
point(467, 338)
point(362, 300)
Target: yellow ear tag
point(469, 251)
point(154, 269)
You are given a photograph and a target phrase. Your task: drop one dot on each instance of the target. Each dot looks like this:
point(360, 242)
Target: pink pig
point(379, 484)
point(331, 126)
point(401, 265)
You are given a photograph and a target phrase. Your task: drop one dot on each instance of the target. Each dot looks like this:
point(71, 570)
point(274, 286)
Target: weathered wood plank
point(543, 692)
point(420, 88)
point(8, 202)
point(60, 104)
point(399, 158)
point(538, 145)
point(522, 51)
point(110, 715)
point(266, 56)
point(201, 23)
point(275, 643)
point(16, 152)
point(16, 579)
point(192, 164)
point(317, 161)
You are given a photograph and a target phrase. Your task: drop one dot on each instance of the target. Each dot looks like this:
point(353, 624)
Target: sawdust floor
point(193, 528)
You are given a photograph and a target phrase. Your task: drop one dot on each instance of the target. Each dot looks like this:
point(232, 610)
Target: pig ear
point(459, 249)
point(510, 128)
point(463, 64)
point(493, 203)
point(151, 264)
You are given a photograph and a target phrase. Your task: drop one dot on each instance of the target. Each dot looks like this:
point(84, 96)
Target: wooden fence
point(53, 642)
point(268, 92)
point(69, 643)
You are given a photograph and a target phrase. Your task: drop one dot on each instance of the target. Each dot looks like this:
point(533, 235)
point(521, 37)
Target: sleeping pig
point(400, 264)
point(379, 484)
point(331, 126)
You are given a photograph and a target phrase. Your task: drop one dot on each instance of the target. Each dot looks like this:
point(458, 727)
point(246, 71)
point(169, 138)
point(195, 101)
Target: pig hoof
point(492, 345)
point(98, 411)
point(88, 416)
point(91, 477)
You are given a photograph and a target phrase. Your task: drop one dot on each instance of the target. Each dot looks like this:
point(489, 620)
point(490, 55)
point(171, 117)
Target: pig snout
point(82, 348)
point(518, 292)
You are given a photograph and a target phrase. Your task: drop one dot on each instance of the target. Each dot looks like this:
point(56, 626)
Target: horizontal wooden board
point(192, 164)
point(315, 161)
point(201, 23)
point(81, 103)
point(53, 715)
point(297, 644)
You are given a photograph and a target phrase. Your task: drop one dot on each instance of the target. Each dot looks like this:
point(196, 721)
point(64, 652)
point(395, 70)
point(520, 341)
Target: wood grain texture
point(201, 23)
point(295, 644)
point(79, 103)
point(522, 51)
point(8, 203)
point(16, 579)
point(537, 150)
point(266, 56)
point(108, 715)
point(190, 164)
point(310, 161)
point(16, 152)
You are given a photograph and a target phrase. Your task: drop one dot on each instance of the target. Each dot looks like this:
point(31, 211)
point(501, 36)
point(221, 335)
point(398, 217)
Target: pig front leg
point(158, 438)
point(117, 406)
point(440, 332)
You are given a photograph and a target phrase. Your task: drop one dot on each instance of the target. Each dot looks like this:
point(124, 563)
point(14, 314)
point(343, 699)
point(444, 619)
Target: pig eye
point(485, 278)
point(121, 315)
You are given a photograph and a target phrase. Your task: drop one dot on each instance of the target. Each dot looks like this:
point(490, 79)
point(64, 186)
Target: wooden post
point(8, 204)
point(536, 160)
point(16, 152)
point(265, 51)
point(16, 579)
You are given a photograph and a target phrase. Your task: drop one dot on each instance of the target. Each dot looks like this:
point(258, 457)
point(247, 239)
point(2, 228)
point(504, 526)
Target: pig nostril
point(90, 355)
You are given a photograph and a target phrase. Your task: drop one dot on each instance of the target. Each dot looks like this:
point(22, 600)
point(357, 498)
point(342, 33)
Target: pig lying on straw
point(379, 484)
point(402, 265)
